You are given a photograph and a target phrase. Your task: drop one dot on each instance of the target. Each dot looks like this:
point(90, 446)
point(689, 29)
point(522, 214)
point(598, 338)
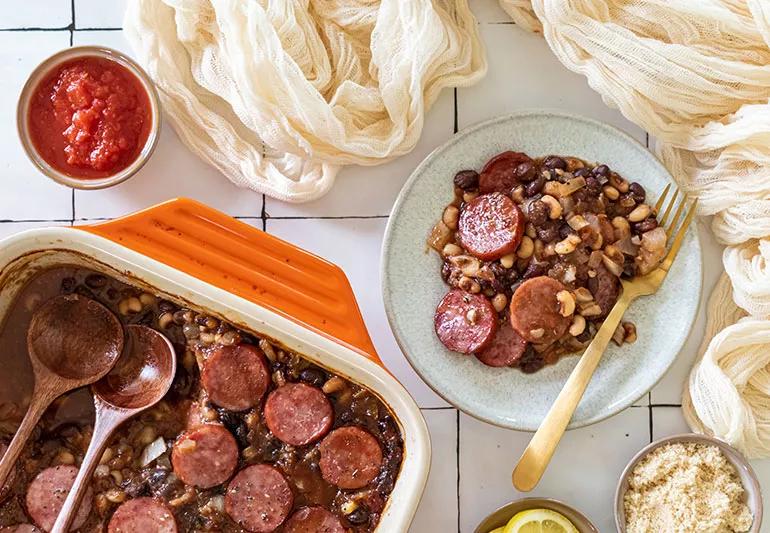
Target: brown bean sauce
point(63, 434)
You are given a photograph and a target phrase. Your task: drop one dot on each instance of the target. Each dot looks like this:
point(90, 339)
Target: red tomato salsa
point(90, 118)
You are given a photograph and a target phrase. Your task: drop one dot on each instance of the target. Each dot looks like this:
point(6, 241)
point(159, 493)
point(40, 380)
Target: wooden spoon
point(139, 380)
point(72, 341)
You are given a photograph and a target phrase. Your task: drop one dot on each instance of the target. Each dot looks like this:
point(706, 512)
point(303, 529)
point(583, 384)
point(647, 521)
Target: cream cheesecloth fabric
point(279, 94)
point(696, 75)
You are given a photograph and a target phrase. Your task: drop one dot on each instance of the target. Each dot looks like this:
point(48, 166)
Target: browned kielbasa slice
point(259, 498)
point(506, 348)
point(298, 414)
point(350, 457)
point(205, 456)
point(499, 174)
point(465, 322)
point(605, 287)
point(490, 226)
point(535, 311)
point(142, 514)
point(46, 495)
point(235, 377)
point(313, 520)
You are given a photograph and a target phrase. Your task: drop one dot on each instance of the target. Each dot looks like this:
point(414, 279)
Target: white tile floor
point(469, 478)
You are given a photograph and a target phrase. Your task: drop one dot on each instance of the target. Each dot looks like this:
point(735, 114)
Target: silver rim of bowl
point(37, 76)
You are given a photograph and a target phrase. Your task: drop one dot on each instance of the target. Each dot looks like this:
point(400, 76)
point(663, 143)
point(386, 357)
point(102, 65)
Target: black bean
point(467, 180)
point(96, 281)
point(82, 290)
point(537, 212)
point(179, 317)
point(535, 187)
point(313, 376)
point(531, 361)
point(554, 161)
point(112, 293)
point(645, 225)
point(548, 231)
point(602, 170)
point(68, 285)
point(581, 173)
point(535, 269)
point(593, 187)
point(359, 516)
point(638, 192)
point(564, 230)
point(166, 307)
point(526, 171)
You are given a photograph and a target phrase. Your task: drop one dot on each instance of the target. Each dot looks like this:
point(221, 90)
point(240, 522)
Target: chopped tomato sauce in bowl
point(88, 117)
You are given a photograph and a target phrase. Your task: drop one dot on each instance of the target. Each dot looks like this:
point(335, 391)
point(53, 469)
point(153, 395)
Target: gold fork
point(536, 457)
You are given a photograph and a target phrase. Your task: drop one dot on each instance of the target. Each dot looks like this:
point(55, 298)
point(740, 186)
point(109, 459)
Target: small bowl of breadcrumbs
point(688, 483)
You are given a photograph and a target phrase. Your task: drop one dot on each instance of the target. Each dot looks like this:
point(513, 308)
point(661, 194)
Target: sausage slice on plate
point(298, 414)
point(235, 377)
point(350, 457)
point(259, 498)
point(313, 520)
point(46, 495)
point(465, 322)
point(499, 174)
point(506, 349)
point(142, 514)
point(490, 226)
point(205, 456)
point(535, 311)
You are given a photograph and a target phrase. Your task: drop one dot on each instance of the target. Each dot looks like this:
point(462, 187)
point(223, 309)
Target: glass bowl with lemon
point(536, 515)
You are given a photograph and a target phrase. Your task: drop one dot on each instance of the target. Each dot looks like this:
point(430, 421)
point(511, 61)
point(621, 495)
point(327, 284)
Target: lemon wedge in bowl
point(539, 521)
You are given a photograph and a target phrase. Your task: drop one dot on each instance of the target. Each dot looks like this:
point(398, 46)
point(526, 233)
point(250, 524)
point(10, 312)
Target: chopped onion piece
point(152, 451)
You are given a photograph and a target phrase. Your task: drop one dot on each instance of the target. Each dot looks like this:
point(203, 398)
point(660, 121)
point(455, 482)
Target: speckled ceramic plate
point(412, 286)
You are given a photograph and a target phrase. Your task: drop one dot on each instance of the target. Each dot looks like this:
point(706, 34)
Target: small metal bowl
point(501, 516)
point(752, 490)
point(41, 71)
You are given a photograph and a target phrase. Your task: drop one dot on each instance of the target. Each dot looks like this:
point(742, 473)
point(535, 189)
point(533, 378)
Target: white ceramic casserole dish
point(191, 253)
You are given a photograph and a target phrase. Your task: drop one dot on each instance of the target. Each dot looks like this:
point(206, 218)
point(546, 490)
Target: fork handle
point(536, 457)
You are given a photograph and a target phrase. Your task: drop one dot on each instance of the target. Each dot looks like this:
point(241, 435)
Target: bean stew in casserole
point(533, 251)
point(251, 437)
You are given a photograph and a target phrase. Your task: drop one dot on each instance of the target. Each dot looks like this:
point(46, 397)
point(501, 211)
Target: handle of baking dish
point(227, 253)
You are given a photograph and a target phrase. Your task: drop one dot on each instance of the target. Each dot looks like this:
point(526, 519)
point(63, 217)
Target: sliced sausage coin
point(506, 348)
point(205, 456)
point(499, 174)
point(465, 322)
point(46, 495)
point(298, 414)
point(142, 514)
point(313, 520)
point(235, 377)
point(490, 226)
point(259, 498)
point(350, 457)
point(535, 311)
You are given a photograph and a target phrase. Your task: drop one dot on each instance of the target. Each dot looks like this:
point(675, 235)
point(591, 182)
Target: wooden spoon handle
point(104, 425)
point(536, 457)
point(41, 399)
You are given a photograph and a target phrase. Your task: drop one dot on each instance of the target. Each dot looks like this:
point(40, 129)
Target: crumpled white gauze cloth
point(695, 74)
point(277, 94)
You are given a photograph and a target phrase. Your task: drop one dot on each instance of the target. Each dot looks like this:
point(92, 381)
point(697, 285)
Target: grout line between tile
point(650, 410)
point(457, 465)
point(328, 217)
point(63, 28)
point(99, 29)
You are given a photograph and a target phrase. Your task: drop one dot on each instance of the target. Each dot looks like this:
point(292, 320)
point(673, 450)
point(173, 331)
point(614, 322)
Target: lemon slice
point(539, 521)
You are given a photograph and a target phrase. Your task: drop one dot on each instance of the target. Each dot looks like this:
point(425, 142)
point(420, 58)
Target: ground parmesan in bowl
point(685, 487)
